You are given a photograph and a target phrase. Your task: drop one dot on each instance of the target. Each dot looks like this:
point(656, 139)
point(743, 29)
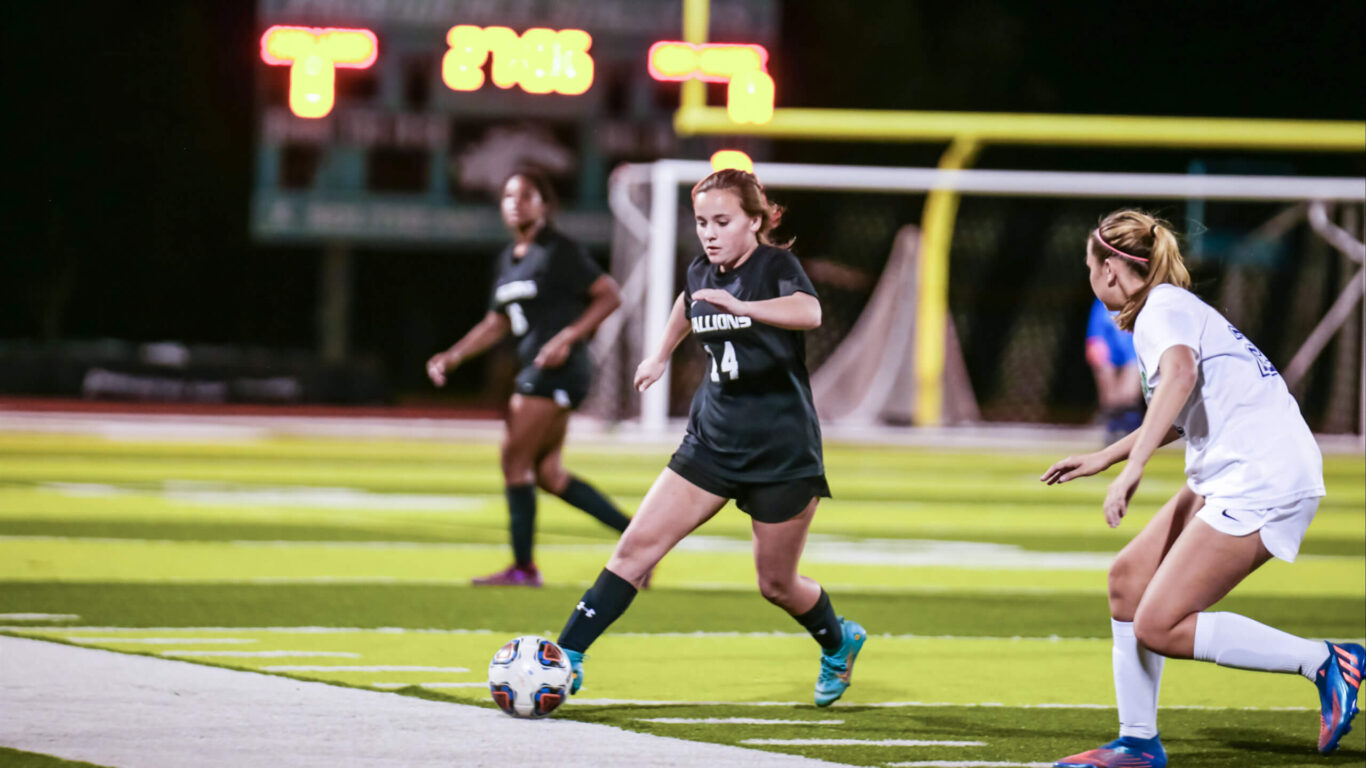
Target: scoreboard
point(395, 121)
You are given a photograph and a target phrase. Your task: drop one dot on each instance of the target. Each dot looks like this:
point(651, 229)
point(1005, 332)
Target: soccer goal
point(1281, 256)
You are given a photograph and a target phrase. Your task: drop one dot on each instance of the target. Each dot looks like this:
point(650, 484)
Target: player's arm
point(795, 312)
point(1179, 375)
point(604, 296)
point(677, 329)
point(485, 334)
point(1089, 464)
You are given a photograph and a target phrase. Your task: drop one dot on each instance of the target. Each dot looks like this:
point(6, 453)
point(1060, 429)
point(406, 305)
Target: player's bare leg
point(777, 551)
point(1201, 568)
point(1138, 670)
point(529, 420)
point(552, 477)
point(672, 509)
point(1136, 563)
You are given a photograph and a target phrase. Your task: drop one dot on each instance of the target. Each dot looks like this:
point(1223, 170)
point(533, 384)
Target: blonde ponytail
point(1148, 246)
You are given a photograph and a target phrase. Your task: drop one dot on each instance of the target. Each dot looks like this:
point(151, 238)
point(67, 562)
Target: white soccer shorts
point(1282, 528)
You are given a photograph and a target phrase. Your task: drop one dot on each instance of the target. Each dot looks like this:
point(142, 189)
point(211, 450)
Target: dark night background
point(130, 129)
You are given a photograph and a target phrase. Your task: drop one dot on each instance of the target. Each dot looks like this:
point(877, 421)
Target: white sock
point(1138, 675)
point(1230, 640)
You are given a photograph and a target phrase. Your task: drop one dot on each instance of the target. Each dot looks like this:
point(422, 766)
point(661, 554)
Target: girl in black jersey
point(551, 296)
point(752, 433)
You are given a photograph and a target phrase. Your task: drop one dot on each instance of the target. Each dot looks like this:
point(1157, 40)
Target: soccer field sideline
point(137, 712)
point(166, 549)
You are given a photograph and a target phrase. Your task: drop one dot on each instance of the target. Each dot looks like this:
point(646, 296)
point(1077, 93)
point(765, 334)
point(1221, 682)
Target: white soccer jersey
point(1247, 445)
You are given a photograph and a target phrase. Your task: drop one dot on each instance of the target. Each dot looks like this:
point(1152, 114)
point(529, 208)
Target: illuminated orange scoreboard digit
point(539, 60)
point(313, 55)
point(743, 67)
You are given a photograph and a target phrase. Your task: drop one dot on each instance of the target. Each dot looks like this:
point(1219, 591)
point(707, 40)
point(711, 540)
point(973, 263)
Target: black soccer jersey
point(753, 419)
point(544, 291)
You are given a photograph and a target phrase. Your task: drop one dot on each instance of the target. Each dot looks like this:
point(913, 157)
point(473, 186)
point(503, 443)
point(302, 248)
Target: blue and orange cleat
point(576, 665)
point(837, 667)
point(1338, 680)
point(1124, 752)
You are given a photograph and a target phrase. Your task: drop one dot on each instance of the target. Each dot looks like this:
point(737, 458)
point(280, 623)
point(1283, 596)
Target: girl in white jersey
point(1255, 477)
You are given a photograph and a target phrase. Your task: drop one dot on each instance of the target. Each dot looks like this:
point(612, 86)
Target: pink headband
point(1117, 251)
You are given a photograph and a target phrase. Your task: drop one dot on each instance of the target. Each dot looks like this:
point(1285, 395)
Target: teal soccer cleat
point(575, 664)
point(1124, 752)
point(836, 667)
point(1338, 680)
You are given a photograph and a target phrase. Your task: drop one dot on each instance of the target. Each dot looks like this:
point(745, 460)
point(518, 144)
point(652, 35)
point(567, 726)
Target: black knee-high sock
point(587, 498)
point(522, 511)
point(602, 604)
point(823, 624)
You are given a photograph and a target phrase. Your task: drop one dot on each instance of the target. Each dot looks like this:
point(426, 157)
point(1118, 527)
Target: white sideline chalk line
point(732, 721)
point(262, 654)
point(358, 668)
point(38, 617)
point(862, 743)
point(134, 711)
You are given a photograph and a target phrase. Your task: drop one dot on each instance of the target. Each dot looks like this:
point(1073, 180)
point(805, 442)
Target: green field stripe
point(908, 485)
point(495, 533)
point(775, 668)
point(233, 512)
point(839, 454)
point(130, 560)
point(459, 607)
point(1215, 738)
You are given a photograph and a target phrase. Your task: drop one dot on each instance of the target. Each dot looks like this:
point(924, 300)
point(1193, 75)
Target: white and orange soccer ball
point(529, 677)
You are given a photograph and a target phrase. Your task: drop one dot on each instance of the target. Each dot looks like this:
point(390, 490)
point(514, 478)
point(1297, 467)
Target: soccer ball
point(529, 677)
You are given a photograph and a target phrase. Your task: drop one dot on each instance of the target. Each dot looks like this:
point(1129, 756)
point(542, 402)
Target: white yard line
point(373, 668)
point(697, 634)
point(135, 711)
point(38, 617)
point(966, 764)
point(396, 686)
point(164, 640)
point(261, 654)
point(732, 721)
point(862, 743)
point(929, 704)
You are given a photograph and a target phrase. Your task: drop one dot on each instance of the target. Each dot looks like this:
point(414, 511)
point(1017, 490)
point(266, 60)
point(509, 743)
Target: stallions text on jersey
point(753, 419)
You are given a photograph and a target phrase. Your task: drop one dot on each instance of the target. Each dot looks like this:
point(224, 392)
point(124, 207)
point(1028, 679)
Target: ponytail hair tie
point(1096, 233)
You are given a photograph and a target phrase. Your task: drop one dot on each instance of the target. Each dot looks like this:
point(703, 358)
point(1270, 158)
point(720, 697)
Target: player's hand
point(722, 300)
point(438, 365)
point(648, 372)
point(1120, 492)
point(1074, 467)
point(556, 351)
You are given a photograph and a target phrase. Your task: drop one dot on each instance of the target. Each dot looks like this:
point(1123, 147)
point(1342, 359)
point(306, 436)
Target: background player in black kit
point(752, 433)
point(552, 296)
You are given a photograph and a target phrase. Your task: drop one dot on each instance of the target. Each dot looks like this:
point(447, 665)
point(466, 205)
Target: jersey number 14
point(729, 365)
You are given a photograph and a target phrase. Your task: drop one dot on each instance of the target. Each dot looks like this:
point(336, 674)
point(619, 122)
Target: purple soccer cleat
point(512, 576)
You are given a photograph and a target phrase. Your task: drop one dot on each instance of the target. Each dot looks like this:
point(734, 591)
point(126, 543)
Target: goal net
point(1280, 256)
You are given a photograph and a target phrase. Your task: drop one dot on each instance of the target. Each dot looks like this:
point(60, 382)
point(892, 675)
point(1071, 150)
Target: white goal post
point(650, 282)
